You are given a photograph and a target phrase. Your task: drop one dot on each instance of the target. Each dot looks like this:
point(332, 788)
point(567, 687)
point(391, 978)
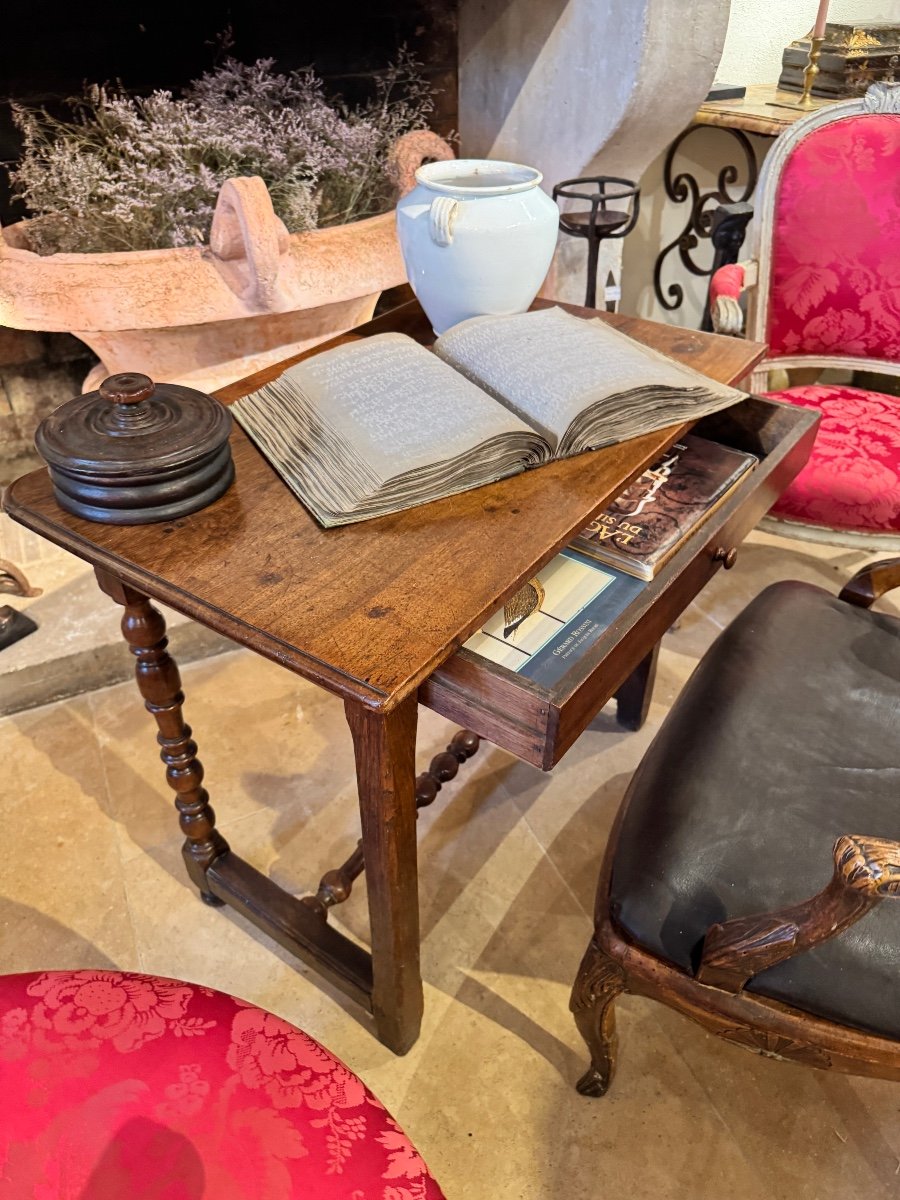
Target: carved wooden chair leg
point(337, 884)
point(600, 980)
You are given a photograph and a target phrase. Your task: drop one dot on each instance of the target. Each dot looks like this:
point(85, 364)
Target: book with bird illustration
point(555, 617)
point(381, 423)
point(644, 526)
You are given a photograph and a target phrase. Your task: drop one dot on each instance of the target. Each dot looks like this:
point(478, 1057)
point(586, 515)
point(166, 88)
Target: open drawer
point(539, 723)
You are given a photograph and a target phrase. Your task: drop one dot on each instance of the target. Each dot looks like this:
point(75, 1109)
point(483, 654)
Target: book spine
point(611, 559)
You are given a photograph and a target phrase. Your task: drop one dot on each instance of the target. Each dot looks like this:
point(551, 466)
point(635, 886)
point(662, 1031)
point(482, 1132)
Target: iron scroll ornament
point(683, 187)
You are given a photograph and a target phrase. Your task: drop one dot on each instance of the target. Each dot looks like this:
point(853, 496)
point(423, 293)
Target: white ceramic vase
point(477, 238)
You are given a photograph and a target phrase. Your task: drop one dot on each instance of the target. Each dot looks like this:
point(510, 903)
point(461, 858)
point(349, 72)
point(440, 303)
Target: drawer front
point(497, 704)
point(540, 725)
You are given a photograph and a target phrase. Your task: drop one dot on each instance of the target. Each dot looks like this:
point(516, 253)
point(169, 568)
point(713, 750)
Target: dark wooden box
point(852, 57)
point(538, 724)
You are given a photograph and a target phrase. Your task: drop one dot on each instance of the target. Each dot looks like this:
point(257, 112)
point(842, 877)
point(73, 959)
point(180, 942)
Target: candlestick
point(821, 20)
point(812, 69)
point(816, 42)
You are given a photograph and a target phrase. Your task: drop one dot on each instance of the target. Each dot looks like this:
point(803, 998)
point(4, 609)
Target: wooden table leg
point(144, 629)
point(385, 745)
point(634, 696)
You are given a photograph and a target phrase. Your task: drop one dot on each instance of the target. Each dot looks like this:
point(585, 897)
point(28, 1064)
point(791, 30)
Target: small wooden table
point(370, 612)
point(763, 110)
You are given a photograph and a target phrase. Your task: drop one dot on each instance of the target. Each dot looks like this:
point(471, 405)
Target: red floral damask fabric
point(131, 1087)
point(852, 479)
point(836, 243)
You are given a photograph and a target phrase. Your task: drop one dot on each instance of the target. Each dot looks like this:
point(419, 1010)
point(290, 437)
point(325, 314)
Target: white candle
point(821, 19)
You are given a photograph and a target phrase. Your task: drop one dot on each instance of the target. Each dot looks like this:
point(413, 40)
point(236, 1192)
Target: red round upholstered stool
point(116, 1086)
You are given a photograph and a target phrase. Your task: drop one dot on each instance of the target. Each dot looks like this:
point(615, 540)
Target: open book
point(383, 424)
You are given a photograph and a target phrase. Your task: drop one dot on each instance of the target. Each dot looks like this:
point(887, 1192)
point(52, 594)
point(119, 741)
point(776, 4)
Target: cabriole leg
point(600, 980)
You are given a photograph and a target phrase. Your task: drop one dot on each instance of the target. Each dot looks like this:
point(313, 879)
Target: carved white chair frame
point(880, 98)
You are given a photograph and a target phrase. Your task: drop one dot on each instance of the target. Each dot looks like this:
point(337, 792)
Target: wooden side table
point(765, 110)
point(376, 612)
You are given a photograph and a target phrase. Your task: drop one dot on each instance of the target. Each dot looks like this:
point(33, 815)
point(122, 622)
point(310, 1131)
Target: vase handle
point(409, 152)
point(442, 217)
point(248, 241)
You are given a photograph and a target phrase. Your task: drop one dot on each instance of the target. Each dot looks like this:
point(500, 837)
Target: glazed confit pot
point(477, 236)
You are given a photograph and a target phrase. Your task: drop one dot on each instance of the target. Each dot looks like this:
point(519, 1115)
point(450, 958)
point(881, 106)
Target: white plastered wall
point(758, 31)
point(583, 87)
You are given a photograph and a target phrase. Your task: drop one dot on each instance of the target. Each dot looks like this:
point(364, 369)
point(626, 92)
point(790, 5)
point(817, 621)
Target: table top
point(756, 112)
point(367, 610)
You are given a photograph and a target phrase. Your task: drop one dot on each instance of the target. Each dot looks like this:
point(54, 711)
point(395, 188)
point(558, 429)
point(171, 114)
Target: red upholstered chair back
point(828, 236)
point(835, 285)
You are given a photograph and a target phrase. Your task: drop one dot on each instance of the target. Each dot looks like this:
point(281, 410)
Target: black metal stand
point(14, 625)
point(599, 221)
point(683, 188)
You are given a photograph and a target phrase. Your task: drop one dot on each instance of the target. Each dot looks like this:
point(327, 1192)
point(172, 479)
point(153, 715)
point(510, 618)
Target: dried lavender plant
point(139, 173)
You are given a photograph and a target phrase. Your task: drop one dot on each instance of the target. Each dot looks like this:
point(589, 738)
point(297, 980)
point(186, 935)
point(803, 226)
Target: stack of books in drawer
point(560, 613)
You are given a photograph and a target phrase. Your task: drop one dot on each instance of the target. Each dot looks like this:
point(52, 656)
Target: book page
point(549, 366)
point(380, 425)
point(399, 407)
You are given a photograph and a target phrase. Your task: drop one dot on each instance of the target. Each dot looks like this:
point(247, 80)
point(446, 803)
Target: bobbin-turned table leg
point(144, 629)
point(385, 747)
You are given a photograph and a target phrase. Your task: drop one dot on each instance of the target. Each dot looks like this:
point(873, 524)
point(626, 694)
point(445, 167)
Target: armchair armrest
point(727, 229)
point(725, 287)
point(870, 583)
point(866, 870)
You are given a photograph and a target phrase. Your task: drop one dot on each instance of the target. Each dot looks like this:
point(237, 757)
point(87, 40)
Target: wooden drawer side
point(495, 703)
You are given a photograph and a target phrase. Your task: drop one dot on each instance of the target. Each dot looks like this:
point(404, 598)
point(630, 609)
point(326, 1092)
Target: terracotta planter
point(207, 315)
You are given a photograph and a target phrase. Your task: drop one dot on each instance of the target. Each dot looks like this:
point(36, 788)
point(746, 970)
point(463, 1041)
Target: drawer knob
point(727, 557)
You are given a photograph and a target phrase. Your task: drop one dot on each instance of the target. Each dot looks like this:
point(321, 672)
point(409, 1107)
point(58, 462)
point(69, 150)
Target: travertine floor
point(92, 876)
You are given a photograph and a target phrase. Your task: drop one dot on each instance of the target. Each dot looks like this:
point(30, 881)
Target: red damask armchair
point(823, 290)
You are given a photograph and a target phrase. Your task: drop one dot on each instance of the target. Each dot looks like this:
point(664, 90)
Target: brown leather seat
point(786, 737)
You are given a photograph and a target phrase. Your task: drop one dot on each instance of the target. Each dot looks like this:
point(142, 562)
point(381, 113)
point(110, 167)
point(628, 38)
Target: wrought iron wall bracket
point(683, 188)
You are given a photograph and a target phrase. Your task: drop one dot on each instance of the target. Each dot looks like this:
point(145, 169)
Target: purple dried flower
point(137, 173)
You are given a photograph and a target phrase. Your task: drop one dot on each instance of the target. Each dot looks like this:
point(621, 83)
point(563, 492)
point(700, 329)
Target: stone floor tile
point(508, 866)
point(766, 558)
point(62, 897)
point(266, 739)
point(809, 1134)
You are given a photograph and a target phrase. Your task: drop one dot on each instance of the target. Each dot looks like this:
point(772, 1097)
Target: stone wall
point(38, 371)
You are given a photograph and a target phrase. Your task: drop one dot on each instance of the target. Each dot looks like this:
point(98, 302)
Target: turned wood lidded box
point(135, 452)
